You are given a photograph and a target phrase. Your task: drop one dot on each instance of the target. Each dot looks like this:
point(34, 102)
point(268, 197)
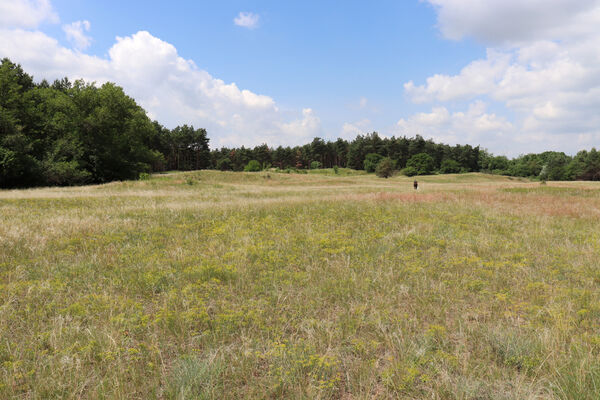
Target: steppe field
point(217, 285)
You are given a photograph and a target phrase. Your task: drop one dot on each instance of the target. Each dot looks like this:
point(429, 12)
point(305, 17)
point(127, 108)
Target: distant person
point(416, 184)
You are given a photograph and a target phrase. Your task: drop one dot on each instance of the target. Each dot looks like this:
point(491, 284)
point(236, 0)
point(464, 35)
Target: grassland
point(256, 285)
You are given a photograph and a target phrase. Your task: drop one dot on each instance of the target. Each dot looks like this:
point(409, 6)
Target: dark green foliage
point(423, 163)
point(188, 149)
point(555, 168)
point(385, 168)
point(71, 133)
point(253, 166)
point(409, 171)
point(64, 173)
point(224, 164)
point(450, 166)
point(585, 165)
point(262, 154)
point(371, 161)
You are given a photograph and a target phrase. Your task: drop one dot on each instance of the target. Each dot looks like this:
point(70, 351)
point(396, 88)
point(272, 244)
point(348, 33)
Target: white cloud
point(351, 130)
point(542, 65)
point(247, 20)
point(26, 13)
point(307, 127)
point(75, 33)
point(173, 90)
point(502, 21)
point(477, 78)
point(474, 126)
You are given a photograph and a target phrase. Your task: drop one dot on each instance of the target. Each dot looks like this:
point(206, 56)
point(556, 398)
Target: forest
point(74, 133)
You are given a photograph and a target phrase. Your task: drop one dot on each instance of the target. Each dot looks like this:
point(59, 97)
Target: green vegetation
point(77, 133)
point(371, 161)
point(301, 286)
point(253, 166)
point(385, 168)
point(450, 166)
point(422, 163)
point(315, 165)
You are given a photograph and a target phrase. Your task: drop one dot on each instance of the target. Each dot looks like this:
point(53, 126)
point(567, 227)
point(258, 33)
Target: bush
point(253, 166)
point(315, 165)
point(371, 161)
point(385, 168)
point(423, 163)
point(144, 176)
point(224, 164)
point(409, 171)
point(336, 169)
point(450, 166)
point(64, 173)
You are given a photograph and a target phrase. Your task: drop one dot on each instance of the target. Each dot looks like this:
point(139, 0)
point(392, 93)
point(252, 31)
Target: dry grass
point(233, 285)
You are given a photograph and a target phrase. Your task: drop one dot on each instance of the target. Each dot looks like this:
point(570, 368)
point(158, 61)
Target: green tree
point(189, 148)
point(315, 165)
point(371, 161)
point(409, 171)
point(422, 163)
point(555, 168)
point(450, 166)
point(385, 168)
point(224, 164)
point(253, 166)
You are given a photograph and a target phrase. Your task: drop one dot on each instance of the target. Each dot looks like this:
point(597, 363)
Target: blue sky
point(490, 72)
point(305, 54)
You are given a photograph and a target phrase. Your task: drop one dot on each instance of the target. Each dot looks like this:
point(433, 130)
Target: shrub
point(315, 165)
point(144, 176)
point(450, 166)
point(385, 168)
point(253, 166)
point(423, 163)
point(65, 173)
point(371, 161)
point(409, 171)
point(224, 164)
point(336, 169)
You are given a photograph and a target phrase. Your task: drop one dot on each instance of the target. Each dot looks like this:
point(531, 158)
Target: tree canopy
point(72, 133)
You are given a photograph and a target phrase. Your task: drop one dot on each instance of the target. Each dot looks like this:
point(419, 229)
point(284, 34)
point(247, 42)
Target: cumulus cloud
point(172, 89)
point(75, 33)
point(542, 65)
point(475, 125)
point(352, 129)
point(476, 78)
point(247, 20)
point(26, 13)
point(501, 21)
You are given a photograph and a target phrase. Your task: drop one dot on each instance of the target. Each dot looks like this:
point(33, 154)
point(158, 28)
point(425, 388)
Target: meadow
point(270, 285)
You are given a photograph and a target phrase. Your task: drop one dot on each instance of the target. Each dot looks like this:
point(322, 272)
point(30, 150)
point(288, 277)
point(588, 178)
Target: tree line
point(73, 133)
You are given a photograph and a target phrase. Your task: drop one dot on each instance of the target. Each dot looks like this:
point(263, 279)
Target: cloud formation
point(475, 125)
point(513, 21)
point(75, 33)
point(247, 20)
point(352, 129)
point(172, 89)
point(26, 13)
point(542, 65)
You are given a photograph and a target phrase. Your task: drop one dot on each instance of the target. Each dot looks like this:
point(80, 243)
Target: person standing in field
point(416, 184)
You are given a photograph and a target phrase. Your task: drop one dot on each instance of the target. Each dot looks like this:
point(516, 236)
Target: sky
point(512, 76)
